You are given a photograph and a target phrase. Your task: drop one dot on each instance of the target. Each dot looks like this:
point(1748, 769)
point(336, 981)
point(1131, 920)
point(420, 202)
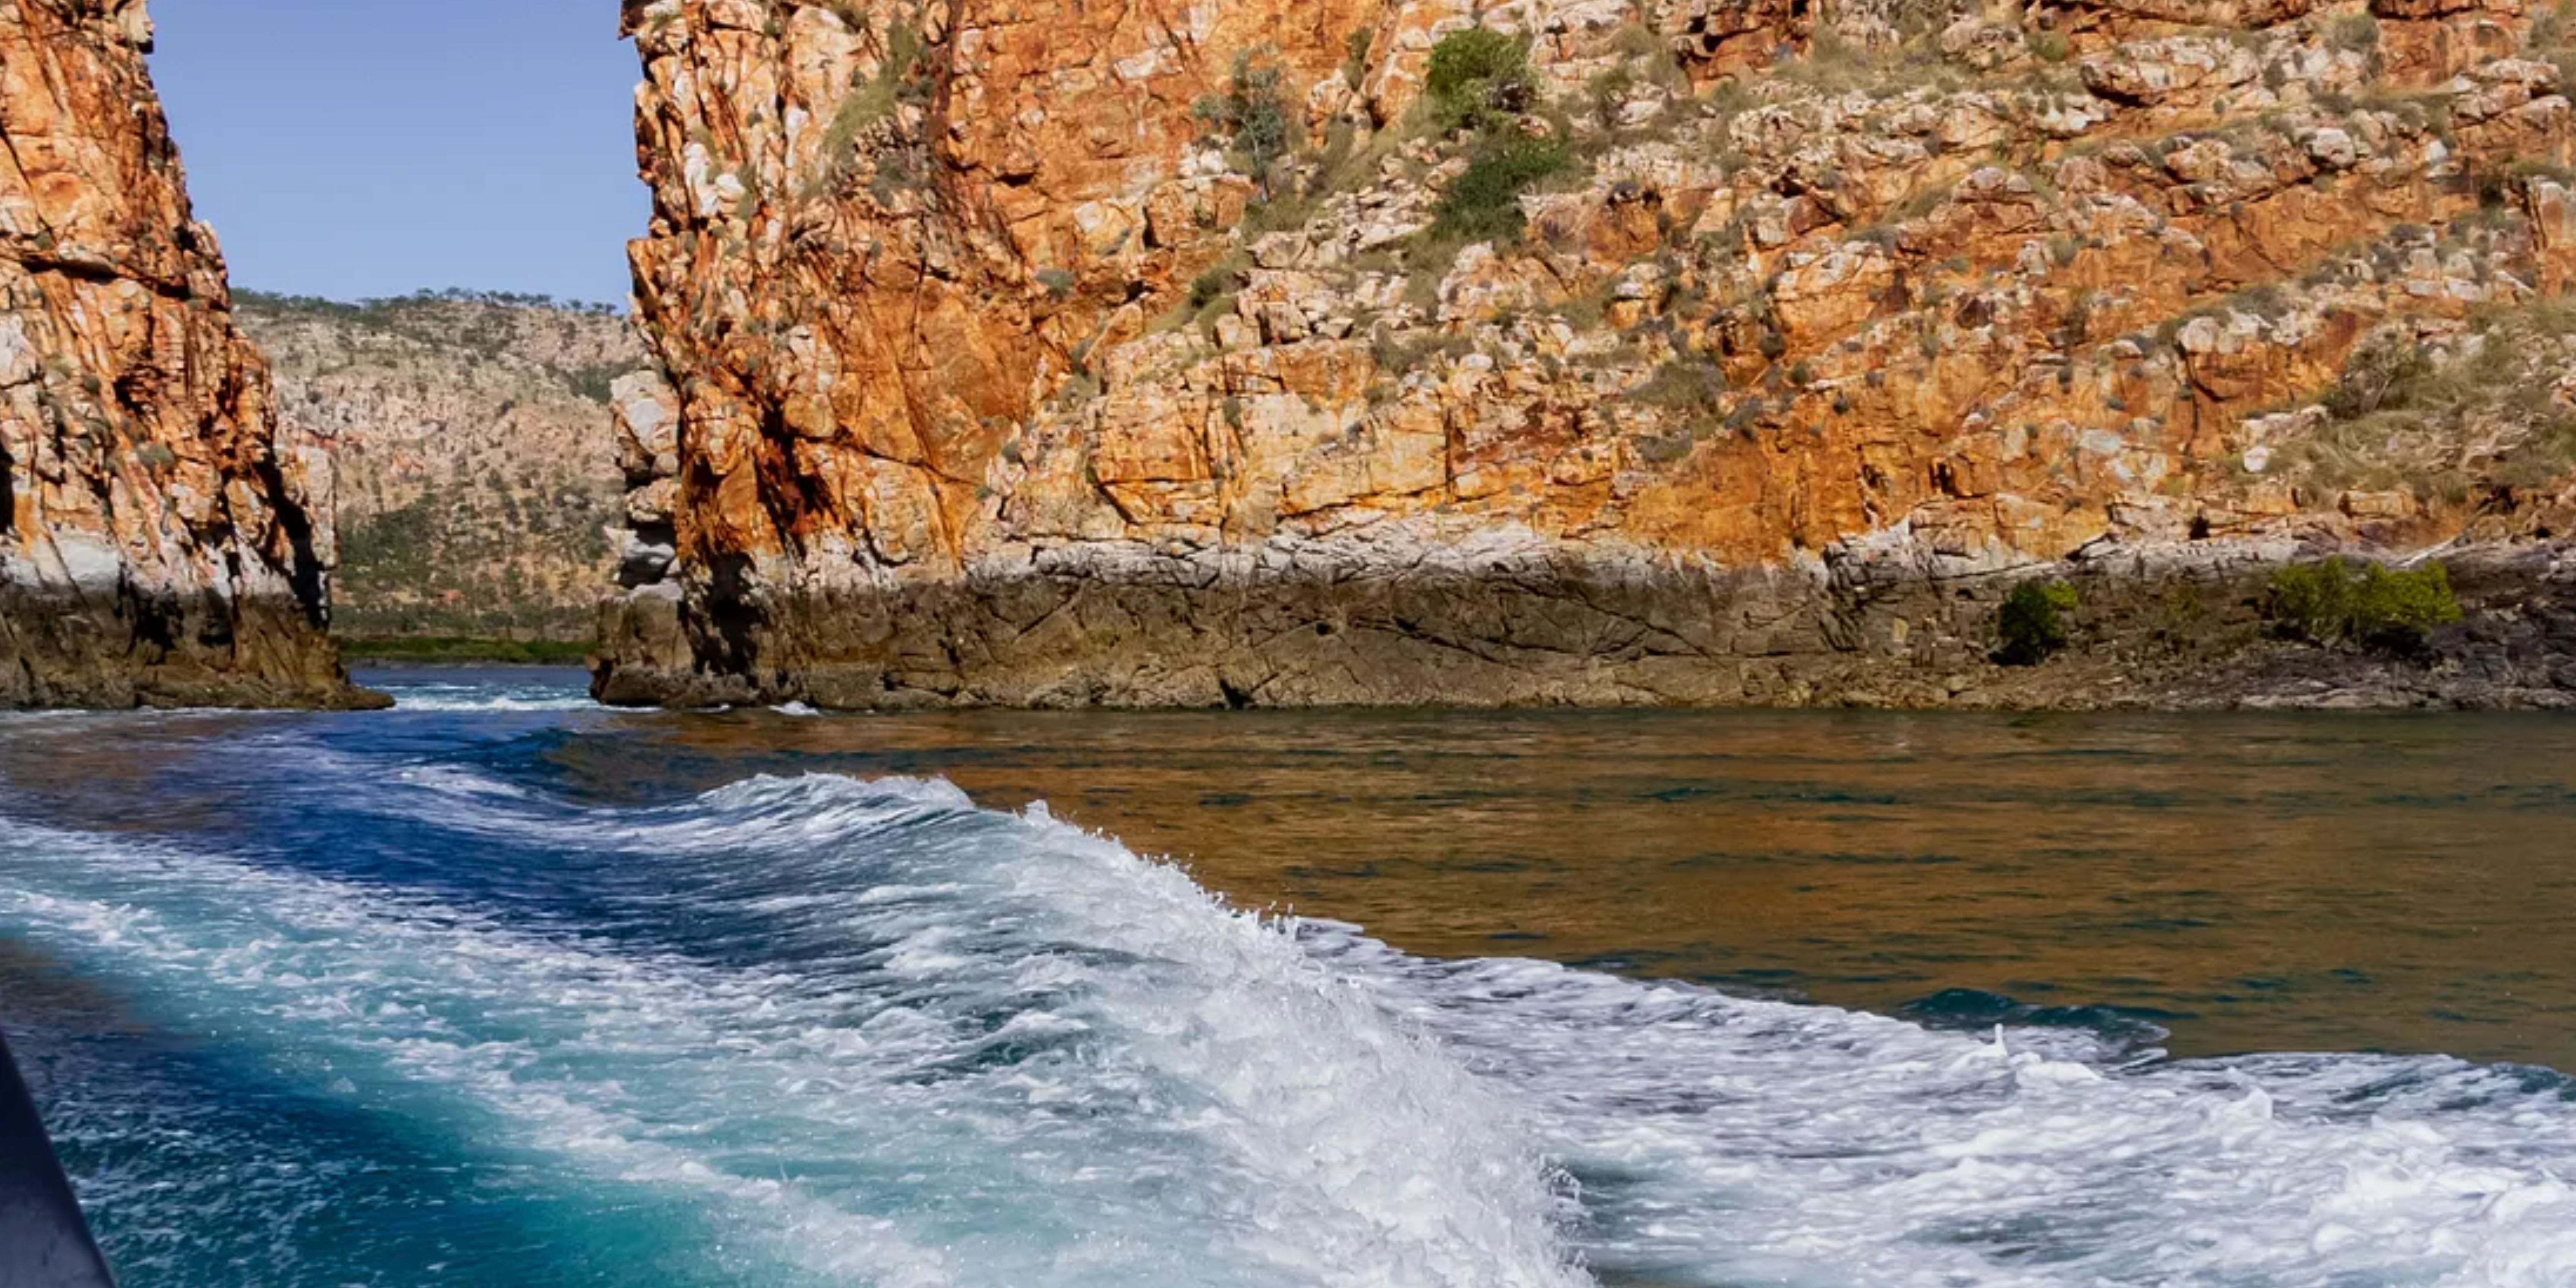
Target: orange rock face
point(1003, 371)
point(163, 545)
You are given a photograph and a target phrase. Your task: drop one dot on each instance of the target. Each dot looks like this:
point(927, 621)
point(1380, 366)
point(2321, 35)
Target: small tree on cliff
point(1484, 202)
point(1252, 117)
point(2033, 622)
point(1478, 79)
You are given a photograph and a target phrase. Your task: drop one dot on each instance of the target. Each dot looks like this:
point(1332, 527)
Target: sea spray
point(991, 1048)
point(1727, 1140)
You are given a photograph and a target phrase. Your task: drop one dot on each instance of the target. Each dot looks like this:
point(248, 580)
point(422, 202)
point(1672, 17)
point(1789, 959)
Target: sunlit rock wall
point(163, 545)
point(999, 378)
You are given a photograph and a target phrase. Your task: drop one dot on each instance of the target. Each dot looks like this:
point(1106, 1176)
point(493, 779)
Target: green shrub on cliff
point(2354, 32)
point(2032, 623)
point(1484, 202)
point(2476, 413)
point(1479, 83)
point(1478, 79)
point(2337, 602)
point(1252, 117)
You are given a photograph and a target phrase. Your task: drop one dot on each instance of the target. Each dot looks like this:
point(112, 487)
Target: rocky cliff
point(477, 465)
point(1677, 351)
point(166, 544)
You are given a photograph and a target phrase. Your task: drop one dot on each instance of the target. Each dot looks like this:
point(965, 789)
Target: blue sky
point(352, 148)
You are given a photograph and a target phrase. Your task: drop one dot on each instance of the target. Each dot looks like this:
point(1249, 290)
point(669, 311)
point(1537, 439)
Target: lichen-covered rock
point(1004, 370)
point(165, 545)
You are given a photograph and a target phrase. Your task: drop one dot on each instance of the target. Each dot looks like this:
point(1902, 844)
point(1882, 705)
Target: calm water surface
point(2326, 882)
point(498, 988)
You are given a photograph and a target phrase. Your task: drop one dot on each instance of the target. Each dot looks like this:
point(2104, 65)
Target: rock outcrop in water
point(1727, 351)
point(165, 545)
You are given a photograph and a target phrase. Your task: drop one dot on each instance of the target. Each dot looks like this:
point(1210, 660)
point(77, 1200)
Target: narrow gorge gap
point(426, 232)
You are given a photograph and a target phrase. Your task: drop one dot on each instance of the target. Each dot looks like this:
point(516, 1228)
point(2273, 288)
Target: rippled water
point(500, 989)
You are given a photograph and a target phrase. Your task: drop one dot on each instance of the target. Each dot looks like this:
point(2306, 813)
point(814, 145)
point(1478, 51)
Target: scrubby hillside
point(477, 467)
point(1580, 350)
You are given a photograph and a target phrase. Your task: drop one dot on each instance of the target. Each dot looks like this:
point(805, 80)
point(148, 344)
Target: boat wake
point(823, 1030)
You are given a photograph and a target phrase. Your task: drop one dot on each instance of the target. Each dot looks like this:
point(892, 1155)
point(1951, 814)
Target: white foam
point(441, 691)
point(1752, 1140)
point(450, 780)
point(390, 996)
point(1069, 1066)
point(917, 1042)
point(445, 698)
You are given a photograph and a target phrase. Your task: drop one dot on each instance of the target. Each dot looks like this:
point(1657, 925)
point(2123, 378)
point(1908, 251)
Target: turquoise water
point(498, 988)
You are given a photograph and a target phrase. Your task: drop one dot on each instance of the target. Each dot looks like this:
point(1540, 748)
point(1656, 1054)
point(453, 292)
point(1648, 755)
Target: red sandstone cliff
point(1008, 371)
point(164, 545)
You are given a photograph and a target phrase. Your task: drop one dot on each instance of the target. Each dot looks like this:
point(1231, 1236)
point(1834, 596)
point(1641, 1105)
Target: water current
point(498, 988)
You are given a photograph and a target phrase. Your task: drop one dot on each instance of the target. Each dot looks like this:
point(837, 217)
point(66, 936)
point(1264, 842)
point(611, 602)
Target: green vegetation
point(2443, 424)
point(1478, 79)
point(1609, 92)
point(473, 536)
point(386, 309)
point(2032, 623)
point(1357, 46)
point(864, 106)
point(1211, 296)
point(2355, 32)
point(2338, 602)
point(447, 648)
point(1396, 354)
point(2553, 39)
point(2388, 374)
point(488, 324)
point(1484, 203)
point(456, 562)
point(1480, 83)
point(1692, 382)
point(907, 76)
point(1218, 281)
point(1693, 387)
point(1253, 118)
point(596, 380)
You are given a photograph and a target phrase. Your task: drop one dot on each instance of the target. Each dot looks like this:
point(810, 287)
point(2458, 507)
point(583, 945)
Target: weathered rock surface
point(999, 378)
point(166, 544)
point(479, 488)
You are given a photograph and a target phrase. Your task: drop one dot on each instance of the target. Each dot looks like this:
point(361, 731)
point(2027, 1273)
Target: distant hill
point(477, 472)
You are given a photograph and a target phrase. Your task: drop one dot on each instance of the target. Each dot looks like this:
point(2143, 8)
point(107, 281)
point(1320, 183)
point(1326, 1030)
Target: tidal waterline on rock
point(498, 988)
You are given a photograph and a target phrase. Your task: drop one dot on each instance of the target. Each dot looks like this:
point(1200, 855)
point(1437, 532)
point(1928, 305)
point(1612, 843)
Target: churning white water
point(823, 1030)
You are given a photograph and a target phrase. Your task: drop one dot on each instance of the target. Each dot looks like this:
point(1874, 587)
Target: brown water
point(2251, 883)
